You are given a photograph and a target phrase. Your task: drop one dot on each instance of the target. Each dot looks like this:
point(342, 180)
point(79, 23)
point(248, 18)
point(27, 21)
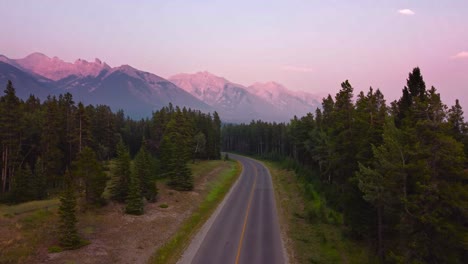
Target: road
point(245, 227)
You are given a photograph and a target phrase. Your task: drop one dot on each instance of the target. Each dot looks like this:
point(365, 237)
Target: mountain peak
point(201, 78)
point(271, 87)
point(269, 84)
point(127, 69)
point(56, 69)
point(206, 74)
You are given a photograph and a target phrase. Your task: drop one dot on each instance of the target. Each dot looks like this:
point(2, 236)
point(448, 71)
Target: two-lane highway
point(244, 228)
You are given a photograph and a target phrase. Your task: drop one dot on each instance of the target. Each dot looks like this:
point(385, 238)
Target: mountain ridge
point(278, 102)
point(139, 92)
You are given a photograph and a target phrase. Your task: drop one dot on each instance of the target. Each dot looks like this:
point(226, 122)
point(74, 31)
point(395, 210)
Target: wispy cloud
point(297, 68)
point(406, 12)
point(461, 55)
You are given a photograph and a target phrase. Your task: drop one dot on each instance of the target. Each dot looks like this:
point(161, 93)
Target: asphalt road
point(245, 227)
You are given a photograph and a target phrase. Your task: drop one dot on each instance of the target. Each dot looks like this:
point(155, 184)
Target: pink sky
point(305, 45)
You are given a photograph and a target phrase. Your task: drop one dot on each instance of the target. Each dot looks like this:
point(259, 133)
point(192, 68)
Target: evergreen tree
point(22, 189)
point(216, 136)
point(69, 238)
point(9, 135)
point(175, 152)
point(121, 173)
point(91, 175)
point(39, 185)
point(83, 130)
point(457, 126)
point(200, 145)
point(145, 174)
point(181, 178)
point(51, 154)
point(383, 184)
point(134, 201)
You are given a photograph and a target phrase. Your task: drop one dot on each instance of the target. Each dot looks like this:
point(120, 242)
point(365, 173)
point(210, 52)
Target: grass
point(174, 248)
point(315, 231)
point(12, 210)
point(27, 231)
point(203, 168)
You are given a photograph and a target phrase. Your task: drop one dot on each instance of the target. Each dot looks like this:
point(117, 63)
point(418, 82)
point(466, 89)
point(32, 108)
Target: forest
point(89, 155)
point(396, 172)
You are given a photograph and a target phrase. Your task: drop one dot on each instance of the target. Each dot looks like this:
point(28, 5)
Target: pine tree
point(69, 238)
point(91, 174)
point(457, 126)
point(145, 174)
point(176, 149)
point(9, 135)
point(83, 130)
point(134, 201)
point(51, 154)
point(22, 189)
point(217, 136)
point(200, 145)
point(182, 179)
point(382, 184)
point(121, 173)
point(39, 185)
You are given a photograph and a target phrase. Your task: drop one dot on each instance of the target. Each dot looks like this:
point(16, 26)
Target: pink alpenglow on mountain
point(284, 98)
point(270, 101)
point(56, 69)
point(203, 85)
point(139, 92)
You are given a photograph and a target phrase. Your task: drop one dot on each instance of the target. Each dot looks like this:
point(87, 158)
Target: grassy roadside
point(23, 228)
point(174, 248)
point(12, 210)
point(315, 237)
point(28, 229)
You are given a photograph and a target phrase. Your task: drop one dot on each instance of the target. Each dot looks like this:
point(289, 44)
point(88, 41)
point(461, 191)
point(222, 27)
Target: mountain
point(294, 102)
point(24, 82)
point(134, 89)
point(57, 69)
point(124, 87)
point(267, 101)
point(139, 93)
point(234, 102)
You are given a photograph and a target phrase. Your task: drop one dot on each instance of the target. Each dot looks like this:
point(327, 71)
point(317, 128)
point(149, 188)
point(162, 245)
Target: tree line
point(62, 148)
point(397, 172)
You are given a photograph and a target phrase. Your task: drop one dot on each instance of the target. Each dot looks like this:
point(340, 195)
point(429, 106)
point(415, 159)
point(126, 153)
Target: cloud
point(406, 12)
point(461, 55)
point(297, 69)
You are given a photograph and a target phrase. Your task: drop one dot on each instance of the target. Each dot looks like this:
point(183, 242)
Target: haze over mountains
point(138, 92)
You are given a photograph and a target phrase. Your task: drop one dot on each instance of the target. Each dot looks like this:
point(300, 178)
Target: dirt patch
point(119, 238)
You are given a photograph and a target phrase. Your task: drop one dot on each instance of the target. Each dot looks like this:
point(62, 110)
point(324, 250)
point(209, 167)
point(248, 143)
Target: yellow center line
point(246, 217)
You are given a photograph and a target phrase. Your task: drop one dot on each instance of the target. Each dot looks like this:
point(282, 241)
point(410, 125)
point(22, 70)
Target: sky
point(310, 45)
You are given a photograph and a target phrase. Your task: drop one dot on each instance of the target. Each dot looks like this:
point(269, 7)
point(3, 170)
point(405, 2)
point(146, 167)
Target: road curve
point(244, 228)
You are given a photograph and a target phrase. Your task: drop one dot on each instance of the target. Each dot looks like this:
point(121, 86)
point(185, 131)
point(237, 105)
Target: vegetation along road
point(245, 228)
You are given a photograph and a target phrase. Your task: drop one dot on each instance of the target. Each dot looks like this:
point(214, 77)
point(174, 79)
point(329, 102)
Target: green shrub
point(163, 205)
point(55, 249)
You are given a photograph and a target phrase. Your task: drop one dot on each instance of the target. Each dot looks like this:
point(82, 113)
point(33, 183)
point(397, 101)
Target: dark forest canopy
point(397, 172)
point(41, 141)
